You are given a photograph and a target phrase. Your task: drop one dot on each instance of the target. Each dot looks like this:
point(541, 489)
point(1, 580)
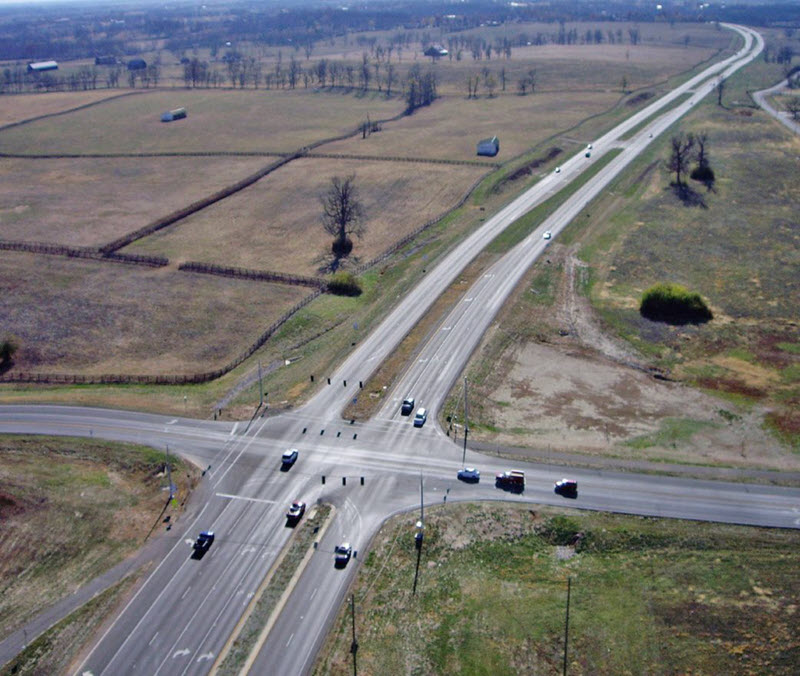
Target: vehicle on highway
point(469, 474)
point(296, 511)
point(408, 406)
point(202, 544)
point(558, 170)
point(588, 154)
point(289, 458)
point(341, 554)
point(421, 417)
point(547, 234)
point(566, 487)
point(589, 147)
point(512, 480)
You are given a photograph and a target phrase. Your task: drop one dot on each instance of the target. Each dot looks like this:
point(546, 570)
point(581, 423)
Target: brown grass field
point(217, 121)
point(21, 107)
point(90, 202)
point(88, 317)
point(279, 217)
point(451, 128)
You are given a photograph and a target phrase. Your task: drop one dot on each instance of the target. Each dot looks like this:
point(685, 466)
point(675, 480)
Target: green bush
point(674, 304)
point(344, 284)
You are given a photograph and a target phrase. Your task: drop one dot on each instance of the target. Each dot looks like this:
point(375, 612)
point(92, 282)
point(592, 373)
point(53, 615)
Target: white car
point(589, 147)
point(547, 234)
point(558, 170)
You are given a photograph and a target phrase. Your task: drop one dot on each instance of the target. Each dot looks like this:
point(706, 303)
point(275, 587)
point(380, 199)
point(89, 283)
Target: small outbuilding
point(489, 146)
point(137, 64)
point(40, 66)
point(172, 115)
point(105, 60)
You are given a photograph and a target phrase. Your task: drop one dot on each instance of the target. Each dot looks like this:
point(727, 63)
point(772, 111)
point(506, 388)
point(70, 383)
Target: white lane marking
point(180, 653)
point(446, 328)
point(244, 497)
point(290, 640)
point(313, 594)
point(235, 425)
point(185, 593)
point(173, 421)
point(153, 639)
point(205, 657)
point(468, 300)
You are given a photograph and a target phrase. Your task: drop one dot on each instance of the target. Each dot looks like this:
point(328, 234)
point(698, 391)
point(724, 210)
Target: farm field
point(21, 107)
point(736, 247)
point(451, 128)
point(275, 224)
point(92, 201)
point(218, 121)
point(90, 317)
point(647, 596)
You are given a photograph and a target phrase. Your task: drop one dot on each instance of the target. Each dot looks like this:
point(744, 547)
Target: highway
point(180, 619)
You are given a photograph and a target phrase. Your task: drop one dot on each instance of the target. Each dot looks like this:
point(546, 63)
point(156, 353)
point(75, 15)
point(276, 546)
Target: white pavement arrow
point(180, 653)
point(205, 657)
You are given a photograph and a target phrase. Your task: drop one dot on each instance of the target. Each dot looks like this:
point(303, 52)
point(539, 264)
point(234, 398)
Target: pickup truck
point(513, 480)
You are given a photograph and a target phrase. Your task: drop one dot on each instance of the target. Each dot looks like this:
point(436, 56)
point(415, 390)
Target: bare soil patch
point(90, 202)
point(83, 316)
point(275, 224)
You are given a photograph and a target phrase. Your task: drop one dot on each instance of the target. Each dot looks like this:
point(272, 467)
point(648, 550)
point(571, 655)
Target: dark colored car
point(469, 474)
point(408, 406)
point(203, 543)
point(289, 458)
point(341, 554)
point(566, 487)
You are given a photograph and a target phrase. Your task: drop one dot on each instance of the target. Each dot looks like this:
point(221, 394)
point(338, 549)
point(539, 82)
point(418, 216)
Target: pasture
point(92, 201)
point(275, 224)
point(218, 121)
point(78, 316)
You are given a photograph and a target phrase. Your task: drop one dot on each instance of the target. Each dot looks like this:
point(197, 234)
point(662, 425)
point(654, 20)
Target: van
point(420, 418)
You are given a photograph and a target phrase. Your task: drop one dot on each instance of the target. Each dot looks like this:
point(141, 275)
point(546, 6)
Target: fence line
point(248, 273)
point(91, 253)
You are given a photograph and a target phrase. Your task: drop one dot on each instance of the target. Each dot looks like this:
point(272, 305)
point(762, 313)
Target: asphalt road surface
point(180, 619)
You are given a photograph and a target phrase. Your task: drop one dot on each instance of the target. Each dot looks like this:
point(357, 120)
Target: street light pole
point(466, 428)
point(566, 627)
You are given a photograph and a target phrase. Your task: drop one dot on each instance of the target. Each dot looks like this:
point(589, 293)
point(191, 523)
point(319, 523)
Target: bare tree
point(343, 214)
point(720, 89)
point(680, 156)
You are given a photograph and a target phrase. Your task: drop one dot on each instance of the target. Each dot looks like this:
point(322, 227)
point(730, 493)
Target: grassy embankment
point(647, 596)
point(72, 509)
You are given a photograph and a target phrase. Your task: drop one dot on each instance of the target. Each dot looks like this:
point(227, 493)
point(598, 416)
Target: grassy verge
point(71, 509)
point(299, 545)
point(644, 594)
point(54, 650)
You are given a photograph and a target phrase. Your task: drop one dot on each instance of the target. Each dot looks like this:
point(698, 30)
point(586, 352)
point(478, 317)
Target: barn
point(40, 66)
point(435, 52)
point(489, 146)
point(172, 115)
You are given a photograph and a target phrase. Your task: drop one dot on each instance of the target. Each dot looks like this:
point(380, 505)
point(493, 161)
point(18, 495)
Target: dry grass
point(218, 121)
point(275, 224)
point(83, 316)
point(89, 202)
point(71, 509)
point(451, 128)
point(19, 107)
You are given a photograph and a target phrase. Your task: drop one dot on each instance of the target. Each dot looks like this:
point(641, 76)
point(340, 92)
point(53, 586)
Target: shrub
point(344, 284)
point(674, 304)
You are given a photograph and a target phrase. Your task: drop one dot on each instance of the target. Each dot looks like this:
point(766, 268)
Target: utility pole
point(260, 387)
point(169, 476)
point(566, 627)
point(354, 644)
point(418, 536)
point(466, 428)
